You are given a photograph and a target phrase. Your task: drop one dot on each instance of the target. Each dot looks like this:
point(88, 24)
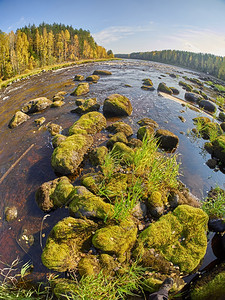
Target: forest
point(207, 63)
point(32, 47)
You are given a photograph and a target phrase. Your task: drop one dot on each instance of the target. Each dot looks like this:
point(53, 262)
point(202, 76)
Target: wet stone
point(10, 213)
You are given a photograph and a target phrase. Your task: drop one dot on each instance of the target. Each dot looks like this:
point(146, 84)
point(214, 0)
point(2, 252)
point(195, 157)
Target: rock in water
point(117, 105)
point(35, 105)
point(167, 139)
point(81, 89)
point(162, 87)
point(67, 157)
point(18, 119)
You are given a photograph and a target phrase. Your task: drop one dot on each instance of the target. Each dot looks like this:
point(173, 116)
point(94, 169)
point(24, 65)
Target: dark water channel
point(19, 187)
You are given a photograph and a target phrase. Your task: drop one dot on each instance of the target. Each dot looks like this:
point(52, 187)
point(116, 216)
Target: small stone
point(10, 213)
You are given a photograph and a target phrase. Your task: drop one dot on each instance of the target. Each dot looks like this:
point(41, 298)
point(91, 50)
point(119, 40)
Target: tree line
point(207, 63)
point(31, 47)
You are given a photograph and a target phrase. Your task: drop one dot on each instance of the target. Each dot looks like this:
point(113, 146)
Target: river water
point(19, 187)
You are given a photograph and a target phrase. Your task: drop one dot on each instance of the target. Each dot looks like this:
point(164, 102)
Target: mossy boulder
point(162, 87)
point(89, 266)
point(79, 77)
point(36, 105)
point(59, 96)
point(57, 103)
point(86, 106)
point(117, 239)
point(85, 204)
point(219, 148)
point(92, 181)
point(148, 122)
point(117, 186)
point(93, 78)
point(40, 121)
point(147, 81)
point(156, 203)
point(91, 122)
point(67, 157)
point(17, 119)
point(180, 237)
point(53, 193)
point(148, 87)
point(145, 132)
point(102, 72)
point(120, 127)
point(117, 105)
point(66, 243)
point(124, 152)
point(81, 89)
point(57, 139)
point(97, 156)
point(210, 285)
point(211, 129)
point(54, 128)
point(167, 140)
point(118, 137)
point(134, 143)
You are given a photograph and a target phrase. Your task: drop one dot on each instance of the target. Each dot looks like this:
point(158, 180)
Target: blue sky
point(127, 26)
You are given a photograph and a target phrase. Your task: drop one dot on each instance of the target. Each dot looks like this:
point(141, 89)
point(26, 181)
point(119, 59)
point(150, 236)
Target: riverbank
point(22, 76)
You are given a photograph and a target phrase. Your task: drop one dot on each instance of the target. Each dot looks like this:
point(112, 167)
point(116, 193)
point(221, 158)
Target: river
point(18, 188)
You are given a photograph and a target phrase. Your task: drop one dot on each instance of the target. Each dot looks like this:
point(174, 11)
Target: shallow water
point(19, 187)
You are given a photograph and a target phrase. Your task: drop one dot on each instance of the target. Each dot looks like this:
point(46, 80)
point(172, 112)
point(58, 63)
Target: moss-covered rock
point(148, 87)
point(66, 242)
point(11, 213)
point(64, 288)
point(148, 122)
point(39, 121)
point(124, 152)
point(211, 285)
point(118, 137)
point(167, 139)
point(35, 105)
point(89, 266)
point(81, 89)
point(17, 119)
point(92, 181)
point(117, 105)
point(102, 72)
point(59, 96)
point(86, 106)
point(134, 143)
point(145, 131)
point(84, 203)
point(97, 156)
point(120, 127)
point(91, 122)
point(54, 128)
point(156, 203)
point(79, 77)
point(162, 87)
point(117, 185)
point(147, 81)
point(117, 239)
point(67, 157)
point(57, 103)
point(57, 139)
point(179, 236)
point(93, 78)
point(219, 148)
point(53, 193)
point(186, 86)
point(211, 129)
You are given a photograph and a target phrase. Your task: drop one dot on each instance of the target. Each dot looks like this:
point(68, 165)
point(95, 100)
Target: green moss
point(186, 86)
point(91, 122)
point(117, 185)
point(148, 122)
point(117, 104)
point(89, 266)
point(69, 154)
point(93, 78)
point(108, 263)
point(79, 77)
point(165, 89)
point(155, 199)
point(147, 81)
point(118, 137)
point(81, 89)
point(66, 242)
point(86, 106)
point(18, 119)
point(97, 155)
point(145, 131)
point(92, 181)
point(123, 151)
point(84, 203)
point(57, 103)
point(61, 192)
point(40, 121)
point(118, 239)
point(180, 237)
point(57, 139)
point(64, 288)
point(120, 127)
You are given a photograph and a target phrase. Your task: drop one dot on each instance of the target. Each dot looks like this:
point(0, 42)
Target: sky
point(126, 26)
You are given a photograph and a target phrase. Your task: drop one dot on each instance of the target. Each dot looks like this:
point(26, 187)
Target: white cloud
point(116, 33)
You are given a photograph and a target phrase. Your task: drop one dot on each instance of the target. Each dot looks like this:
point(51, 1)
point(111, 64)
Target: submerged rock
point(167, 139)
point(120, 127)
point(118, 137)
point(54, 128)
point(67, 157)
point(81, 89)
point(148, 122)
point(179, 237)
point(90, 123)
point(93, 78)
point(18, 119)
point(147, 82)
point(36, 105)
point(53, 193)
point(117, 239)
point(79, 77)
point(86, 106)
point(102, 72)
point(66, 243)
point(117, 105)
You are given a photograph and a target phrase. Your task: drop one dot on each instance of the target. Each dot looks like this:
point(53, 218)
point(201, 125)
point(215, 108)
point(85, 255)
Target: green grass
point(215, 206)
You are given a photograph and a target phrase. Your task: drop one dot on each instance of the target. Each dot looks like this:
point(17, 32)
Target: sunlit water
point(19, 187)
